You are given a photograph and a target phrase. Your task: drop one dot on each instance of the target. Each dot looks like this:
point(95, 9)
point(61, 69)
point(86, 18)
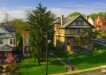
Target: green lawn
point(27, 67)
point(98, 58)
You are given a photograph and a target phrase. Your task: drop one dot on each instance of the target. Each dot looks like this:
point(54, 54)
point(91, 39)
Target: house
point(67, 29)
point(26, 44)
point(100, 23)
point(7, 39)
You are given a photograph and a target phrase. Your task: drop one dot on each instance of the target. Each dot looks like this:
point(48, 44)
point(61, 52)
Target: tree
point(95, 15)
point(74, 14)
point(85, 39)
point(39, 23)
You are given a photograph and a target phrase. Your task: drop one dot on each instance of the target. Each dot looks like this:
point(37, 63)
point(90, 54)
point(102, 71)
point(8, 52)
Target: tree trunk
point(38, 60)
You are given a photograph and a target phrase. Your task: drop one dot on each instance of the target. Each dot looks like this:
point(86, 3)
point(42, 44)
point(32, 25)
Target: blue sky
point(17, 8)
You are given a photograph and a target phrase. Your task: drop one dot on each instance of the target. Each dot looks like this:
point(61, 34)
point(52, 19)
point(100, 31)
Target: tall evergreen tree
point(39, 21)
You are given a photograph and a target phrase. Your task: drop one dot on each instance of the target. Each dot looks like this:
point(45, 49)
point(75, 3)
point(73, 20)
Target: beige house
point(67, 29)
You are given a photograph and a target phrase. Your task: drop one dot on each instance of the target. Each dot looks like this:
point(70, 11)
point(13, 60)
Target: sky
point(18, 8)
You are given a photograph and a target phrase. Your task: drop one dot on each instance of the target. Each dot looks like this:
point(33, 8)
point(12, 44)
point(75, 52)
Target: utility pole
point(46, 54)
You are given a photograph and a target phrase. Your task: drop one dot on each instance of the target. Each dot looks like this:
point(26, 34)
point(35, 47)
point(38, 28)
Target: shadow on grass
point(98, 56)
point(56, 62)
point(28, 66)
point(89, 61)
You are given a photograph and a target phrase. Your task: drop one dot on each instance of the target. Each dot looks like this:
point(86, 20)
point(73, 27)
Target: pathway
point(80, 71)
point(94, 73)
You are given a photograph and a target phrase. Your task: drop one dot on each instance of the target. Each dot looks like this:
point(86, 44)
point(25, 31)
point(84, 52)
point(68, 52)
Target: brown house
point(67, 29)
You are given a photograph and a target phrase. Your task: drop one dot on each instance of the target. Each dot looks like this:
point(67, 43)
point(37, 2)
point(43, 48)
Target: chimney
point(87, 17)
point(62, 19)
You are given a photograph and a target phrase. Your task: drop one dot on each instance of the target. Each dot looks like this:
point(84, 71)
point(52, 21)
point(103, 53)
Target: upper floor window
point(1, 41)
point(78, 31)
point(82, 31)
point(14, 41)
point(10, 41)
point(28, 40)
point(79, 22)
point(2, 34)
point(72, 31)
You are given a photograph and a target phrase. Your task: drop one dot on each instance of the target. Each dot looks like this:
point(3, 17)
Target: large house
point(67, 29)
point(7, 39)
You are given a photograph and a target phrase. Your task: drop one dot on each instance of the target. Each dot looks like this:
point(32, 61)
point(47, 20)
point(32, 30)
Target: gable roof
point(72, 19)
point(6, 48)
point(10, 29)
point(7, 31)
point(57, 21)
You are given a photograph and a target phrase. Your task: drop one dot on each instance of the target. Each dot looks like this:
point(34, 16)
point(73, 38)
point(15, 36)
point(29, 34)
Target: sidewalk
point(78, 71)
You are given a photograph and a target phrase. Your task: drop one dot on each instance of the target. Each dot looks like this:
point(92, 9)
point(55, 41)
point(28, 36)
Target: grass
point(98, 58)
point(27, 67)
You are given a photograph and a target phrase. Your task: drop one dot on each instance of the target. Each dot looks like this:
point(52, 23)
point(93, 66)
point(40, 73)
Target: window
point(79, 22)
point(78, 31)
point(72, 40)
point(1, 41)
point(14, 41)
point(2, 34)
point(10, 41)
point(72, 31)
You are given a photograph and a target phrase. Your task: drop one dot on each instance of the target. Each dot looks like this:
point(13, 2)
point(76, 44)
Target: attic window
point(79, 22)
